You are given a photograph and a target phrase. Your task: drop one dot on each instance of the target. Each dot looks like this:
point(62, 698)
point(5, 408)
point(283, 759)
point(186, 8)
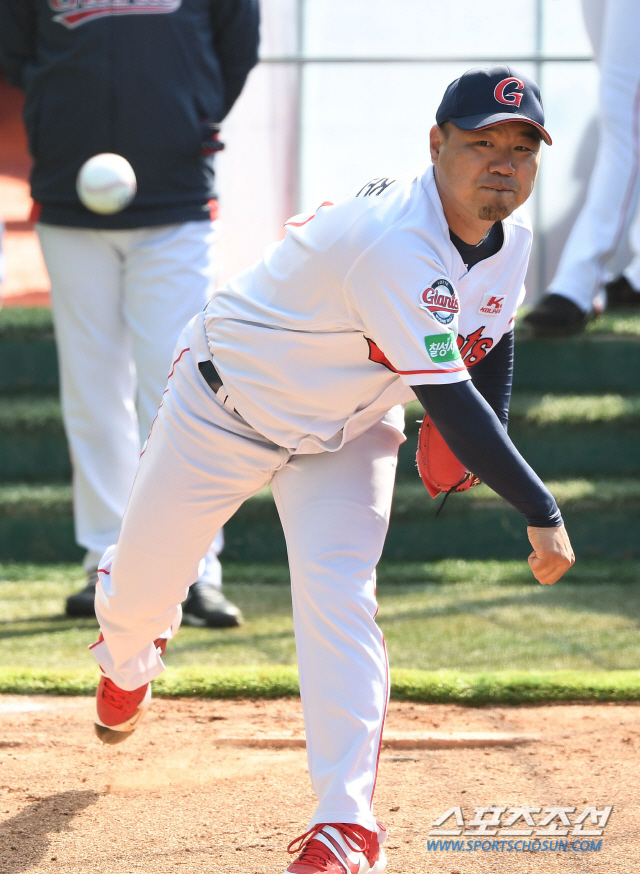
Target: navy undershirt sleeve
point(473, 416)
point(477, 438)
point(493, 377)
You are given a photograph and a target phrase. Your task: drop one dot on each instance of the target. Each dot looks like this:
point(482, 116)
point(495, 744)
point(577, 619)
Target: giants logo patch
point(441, 300)
point(491, 304)
point(509, 91)
point(73, 13)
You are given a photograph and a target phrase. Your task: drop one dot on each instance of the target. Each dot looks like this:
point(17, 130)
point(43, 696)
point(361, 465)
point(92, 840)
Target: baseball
point(106, 183)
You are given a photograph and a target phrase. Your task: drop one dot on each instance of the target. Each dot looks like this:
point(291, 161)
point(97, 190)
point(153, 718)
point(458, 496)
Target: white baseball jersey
point(356, 304)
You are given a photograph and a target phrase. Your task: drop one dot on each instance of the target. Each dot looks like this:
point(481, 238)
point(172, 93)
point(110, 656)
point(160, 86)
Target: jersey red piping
point(386, 363)
point(443, 372)
point(300, 224)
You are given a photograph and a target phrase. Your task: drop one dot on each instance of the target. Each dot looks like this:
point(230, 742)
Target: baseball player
point(296, 375)
point(149, 81)
point(613, 196)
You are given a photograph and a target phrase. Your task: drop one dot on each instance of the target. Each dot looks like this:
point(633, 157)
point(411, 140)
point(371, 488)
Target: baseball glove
point(437, 465)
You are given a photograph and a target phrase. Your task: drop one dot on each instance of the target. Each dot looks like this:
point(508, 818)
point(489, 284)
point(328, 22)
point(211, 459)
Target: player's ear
point(436, 139)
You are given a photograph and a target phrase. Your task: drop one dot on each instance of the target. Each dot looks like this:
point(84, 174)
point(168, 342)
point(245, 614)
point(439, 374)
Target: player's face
point(482, 176)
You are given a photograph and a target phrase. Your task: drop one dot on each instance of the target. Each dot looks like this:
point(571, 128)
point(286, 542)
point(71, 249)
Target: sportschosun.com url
point(511, 846)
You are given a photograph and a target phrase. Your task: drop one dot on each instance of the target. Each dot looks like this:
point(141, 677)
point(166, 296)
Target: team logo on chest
point(441, 300)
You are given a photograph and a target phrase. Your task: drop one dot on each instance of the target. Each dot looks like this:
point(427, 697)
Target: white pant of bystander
point(614, 187)
point(120, 300)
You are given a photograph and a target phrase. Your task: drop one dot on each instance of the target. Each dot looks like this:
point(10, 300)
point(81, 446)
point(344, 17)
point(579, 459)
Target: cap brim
point(480, 122)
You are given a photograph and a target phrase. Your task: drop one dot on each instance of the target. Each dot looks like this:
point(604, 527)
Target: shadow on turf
point(71, 621)
point(42, 625)
point(598, 603)
point(24, 838)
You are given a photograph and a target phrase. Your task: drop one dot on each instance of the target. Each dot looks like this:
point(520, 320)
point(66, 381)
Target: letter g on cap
point(514, 96)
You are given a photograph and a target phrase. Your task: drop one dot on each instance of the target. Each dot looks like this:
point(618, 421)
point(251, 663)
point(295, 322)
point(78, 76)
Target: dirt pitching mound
point(222, 786)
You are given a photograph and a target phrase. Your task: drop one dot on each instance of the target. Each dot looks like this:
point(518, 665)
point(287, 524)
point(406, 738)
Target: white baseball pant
point(120, 300)
point(614, 188)
point(201, 462)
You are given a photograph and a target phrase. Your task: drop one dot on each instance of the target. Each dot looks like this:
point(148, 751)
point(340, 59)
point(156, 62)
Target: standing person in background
point(624, 291)
point(151, 83)
point(614, 190)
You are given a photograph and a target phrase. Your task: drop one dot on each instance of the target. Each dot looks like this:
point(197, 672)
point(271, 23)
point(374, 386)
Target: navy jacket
point(139, 78)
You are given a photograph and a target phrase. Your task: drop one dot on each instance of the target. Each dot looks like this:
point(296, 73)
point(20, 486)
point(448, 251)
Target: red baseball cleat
point(338, 848)
point(118, 711)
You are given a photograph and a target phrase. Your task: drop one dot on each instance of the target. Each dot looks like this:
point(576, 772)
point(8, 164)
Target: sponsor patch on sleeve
point(442, 347)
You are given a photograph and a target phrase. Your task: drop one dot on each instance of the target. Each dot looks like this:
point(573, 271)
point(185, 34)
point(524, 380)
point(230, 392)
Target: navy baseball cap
point(486, 96)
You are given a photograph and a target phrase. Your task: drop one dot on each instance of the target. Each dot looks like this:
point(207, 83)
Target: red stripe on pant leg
point(384, 718)
point(173, 367)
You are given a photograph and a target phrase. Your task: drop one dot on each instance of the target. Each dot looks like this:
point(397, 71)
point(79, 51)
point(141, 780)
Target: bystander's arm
point(17, 38)
point(236, 38)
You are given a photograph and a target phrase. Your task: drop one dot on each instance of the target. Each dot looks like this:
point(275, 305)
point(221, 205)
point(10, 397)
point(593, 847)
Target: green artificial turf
point(575, 493)
point(548, 409)
point(30, 413)
point(25, 323)
point(454, 615)
point(438, 687)
point(618, 323)
point(41, 413)
point(542, 410)
point(34, 321)
point(514, 687)
point(26, 499)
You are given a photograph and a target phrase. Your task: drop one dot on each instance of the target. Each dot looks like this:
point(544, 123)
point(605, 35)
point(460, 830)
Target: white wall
point(359, 120)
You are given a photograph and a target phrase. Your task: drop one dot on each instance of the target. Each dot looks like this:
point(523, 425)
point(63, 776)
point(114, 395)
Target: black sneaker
point(206, 605)
point(556, 316)
point(82, 603)
point(621, 295)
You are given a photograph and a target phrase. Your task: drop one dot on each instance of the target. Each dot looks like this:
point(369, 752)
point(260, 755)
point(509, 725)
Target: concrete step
point(557, 434)
point(28, 358)
point(33, 445)
point(560, 435)
point(605, 358)
point(578, 434)
point(29, 323)
point(537, 411)
point(602, 516)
